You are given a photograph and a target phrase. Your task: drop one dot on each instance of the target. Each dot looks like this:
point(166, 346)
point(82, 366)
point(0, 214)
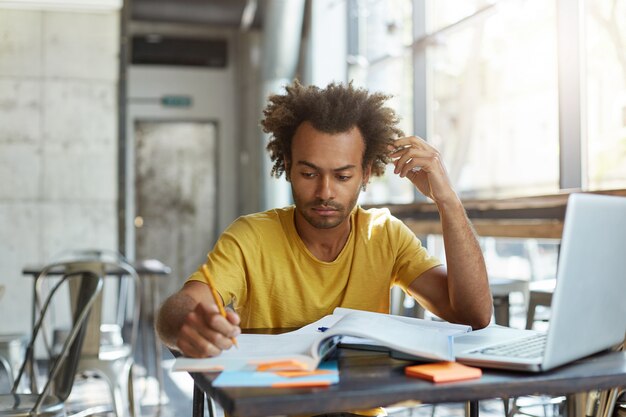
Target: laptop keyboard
point(530, 347)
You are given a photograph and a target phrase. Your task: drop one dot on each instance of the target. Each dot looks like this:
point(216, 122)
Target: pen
point(216, 296)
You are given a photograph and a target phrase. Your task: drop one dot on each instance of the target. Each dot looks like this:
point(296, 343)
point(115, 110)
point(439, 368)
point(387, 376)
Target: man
point(290, 266)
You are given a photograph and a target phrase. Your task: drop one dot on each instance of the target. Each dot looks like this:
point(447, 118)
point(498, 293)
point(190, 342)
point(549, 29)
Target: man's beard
point(322, 222)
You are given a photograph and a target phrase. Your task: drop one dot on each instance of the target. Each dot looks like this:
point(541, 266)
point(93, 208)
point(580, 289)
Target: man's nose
point(325, 188)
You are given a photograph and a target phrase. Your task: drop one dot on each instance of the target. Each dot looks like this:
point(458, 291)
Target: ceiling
point(216, 13)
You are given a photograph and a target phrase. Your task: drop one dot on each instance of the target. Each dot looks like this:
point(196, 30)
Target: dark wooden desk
point(370, 379)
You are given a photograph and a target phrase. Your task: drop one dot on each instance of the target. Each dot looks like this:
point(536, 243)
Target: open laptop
point(588, 312)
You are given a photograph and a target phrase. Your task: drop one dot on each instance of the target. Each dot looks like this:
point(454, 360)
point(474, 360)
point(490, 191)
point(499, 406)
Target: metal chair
point(11, 354)
point(610, 403)
point(62, 365)
point(108, 350)
point(540, 294)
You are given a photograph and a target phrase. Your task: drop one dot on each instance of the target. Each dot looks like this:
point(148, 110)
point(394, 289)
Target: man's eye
point(344, 177)
point(308, 174)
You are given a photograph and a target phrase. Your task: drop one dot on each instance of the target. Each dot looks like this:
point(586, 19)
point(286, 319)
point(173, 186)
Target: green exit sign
point(176, 101)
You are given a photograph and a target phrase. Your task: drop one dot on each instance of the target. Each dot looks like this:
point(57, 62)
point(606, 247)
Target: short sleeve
point(227, 264)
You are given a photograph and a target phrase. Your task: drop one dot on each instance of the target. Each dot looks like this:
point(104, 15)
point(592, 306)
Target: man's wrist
point(451, 204)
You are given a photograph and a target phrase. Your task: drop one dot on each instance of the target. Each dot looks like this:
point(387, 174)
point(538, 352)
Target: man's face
point(326, 174)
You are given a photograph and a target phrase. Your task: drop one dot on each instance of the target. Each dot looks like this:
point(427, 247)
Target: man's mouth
point(325, 210)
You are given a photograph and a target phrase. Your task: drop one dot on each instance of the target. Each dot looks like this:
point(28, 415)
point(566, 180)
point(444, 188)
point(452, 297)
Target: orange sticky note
point(281, 365)
point(443, 371)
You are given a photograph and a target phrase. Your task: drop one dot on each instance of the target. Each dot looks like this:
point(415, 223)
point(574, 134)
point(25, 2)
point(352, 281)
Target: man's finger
point(204, 310)
point(220, 324)
point(198, 348)
point(211, 318)
point(193, 343)
point(205, 323)
point(409, 141)
point(233, 317)
point(414, 165)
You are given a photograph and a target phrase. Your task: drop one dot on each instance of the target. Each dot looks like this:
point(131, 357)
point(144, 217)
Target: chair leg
point(120, 391)
point(211, 406)
point(471, 408)
point(607, 403)
point(530, 313)
point(9, 371)
point(118, 375)
point(198, 401)
point(506, 404)
point(135, 408)
point(124, 386)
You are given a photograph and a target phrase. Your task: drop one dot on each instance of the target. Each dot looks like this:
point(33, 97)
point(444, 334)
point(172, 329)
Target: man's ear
point(367, 172)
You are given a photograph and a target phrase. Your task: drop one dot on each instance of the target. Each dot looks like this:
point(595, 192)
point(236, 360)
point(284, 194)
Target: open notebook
point(304, 348)
point(588, 312)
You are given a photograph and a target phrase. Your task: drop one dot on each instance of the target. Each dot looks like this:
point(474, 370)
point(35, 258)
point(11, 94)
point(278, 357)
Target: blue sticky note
point(268, 379)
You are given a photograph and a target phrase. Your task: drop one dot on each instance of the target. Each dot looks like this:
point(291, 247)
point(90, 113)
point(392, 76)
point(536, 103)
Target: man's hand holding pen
point(209, 328)
point(205, 332)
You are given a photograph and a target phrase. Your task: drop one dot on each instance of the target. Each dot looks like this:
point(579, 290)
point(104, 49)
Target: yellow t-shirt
point(263, 268)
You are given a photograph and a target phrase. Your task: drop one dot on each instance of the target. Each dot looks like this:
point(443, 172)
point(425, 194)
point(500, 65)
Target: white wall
point(58, 143)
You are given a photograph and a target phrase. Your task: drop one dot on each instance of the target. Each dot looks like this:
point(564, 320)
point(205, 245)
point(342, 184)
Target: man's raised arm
point(461, 293)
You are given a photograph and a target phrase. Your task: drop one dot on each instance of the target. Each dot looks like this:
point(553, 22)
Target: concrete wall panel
point(81, 45)
point(20, 110)
point(80, 174)
point(69, 226)
point(19, 246)
point(20, 169)
point(81, 114)
point(20, 43)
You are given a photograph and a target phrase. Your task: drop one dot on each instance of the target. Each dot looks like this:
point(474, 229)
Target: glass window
point(491, 95)
point(606, 93)
point(443, 13)
point(380, 32)
point(493, 99)
point(512, 258)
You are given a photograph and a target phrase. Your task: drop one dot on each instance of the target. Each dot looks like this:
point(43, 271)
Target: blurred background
point(134, 125)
